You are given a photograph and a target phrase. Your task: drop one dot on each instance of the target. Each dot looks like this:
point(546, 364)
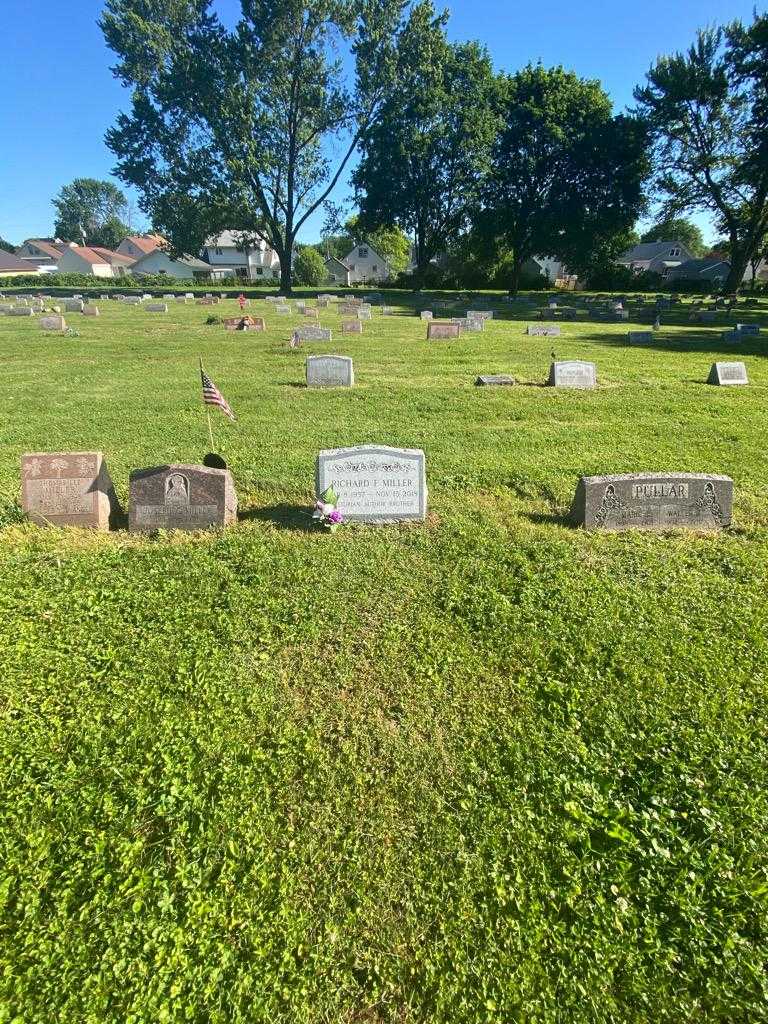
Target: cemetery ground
point(485, 768)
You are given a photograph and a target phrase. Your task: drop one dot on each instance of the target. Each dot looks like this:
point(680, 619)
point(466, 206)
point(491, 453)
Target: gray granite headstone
point(21, 311)
point(181, 497)
point(748, 328)
point(375, 483)
point(351, 327)
point(313, 333)
point(426, 314)
point(728, 373)
point(544, 332)
point(655, 501)
point(494, 378)
point(640, 336)
point(156, 307)
point(572, 373)
point(53, 323)
point(67, 489)
point(282, 310)
point(330, 372)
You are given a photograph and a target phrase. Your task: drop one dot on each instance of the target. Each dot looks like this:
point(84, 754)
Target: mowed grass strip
point(487, 768)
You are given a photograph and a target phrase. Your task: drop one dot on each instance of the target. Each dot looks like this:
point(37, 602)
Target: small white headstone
point(330, 372)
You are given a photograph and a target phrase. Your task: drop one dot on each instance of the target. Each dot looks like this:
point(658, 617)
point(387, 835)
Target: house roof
point(333, 259)
point(696, 267)
point(91, 256)
point(10, 262)
point(230, 239)
point(49, 248)
point(185, 261)
point(147, 243)
point(112, 257)
point(372, 248)
point(651, 251)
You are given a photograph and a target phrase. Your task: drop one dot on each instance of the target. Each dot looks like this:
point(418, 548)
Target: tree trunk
point(739, 262)
point(514, 283)
point(286, 278)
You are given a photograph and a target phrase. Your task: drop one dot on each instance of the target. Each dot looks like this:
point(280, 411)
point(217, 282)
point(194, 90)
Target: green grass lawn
point(488, 768)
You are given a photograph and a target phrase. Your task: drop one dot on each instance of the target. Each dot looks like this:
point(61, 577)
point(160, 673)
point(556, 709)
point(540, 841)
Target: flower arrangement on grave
point(326, 515)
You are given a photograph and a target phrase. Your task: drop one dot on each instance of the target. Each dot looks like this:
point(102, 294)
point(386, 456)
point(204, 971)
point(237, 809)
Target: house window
point(375, 267)
point(219, 252)
point(259, 271)
point(362, 253)
point(674, 252)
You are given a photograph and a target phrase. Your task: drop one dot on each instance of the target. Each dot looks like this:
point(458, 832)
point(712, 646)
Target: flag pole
point(207, 410)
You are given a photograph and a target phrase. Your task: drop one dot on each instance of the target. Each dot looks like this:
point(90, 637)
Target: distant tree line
point(479, 170)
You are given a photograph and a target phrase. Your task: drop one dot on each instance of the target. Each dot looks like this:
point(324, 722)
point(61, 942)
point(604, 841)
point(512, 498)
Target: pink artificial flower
point(335, 516)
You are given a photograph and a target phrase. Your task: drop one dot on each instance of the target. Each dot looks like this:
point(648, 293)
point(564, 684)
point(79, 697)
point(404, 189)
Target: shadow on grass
point(285, 517)
point(550, 519)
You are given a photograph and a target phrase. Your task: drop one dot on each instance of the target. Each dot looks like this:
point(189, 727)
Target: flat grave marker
point(442, 330)
point(375, 483)
point(543, 332)
point(311, 333)
point(494, 379)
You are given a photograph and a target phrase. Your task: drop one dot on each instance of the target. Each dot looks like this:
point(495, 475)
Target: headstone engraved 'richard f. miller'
point(653, 501)
point(67, 489)
point(375, 483)
point(330, 372)
point(181, 497)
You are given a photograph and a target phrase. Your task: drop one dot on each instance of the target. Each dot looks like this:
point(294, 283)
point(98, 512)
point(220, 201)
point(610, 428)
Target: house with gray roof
point(709, 271)
point(655, 257)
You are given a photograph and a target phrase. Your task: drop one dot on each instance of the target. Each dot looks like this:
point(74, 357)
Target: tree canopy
point(708, 114)
point(677, 229)
point(90, 211)
point(423, 158)
point(236, 128)
point(308, 267)
point(565, 175)
point(7, 246)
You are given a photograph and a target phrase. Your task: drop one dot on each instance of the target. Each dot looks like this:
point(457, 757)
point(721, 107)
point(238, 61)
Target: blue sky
point(59, 96)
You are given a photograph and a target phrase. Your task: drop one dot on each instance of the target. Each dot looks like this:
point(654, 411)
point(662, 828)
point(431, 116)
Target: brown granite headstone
point(67, 489)
point(181, 497)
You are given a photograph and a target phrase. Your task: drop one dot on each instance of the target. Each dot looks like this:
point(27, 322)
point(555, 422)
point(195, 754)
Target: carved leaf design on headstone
point(59, 465)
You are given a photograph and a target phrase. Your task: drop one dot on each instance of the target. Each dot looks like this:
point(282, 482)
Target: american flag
point(212, 395)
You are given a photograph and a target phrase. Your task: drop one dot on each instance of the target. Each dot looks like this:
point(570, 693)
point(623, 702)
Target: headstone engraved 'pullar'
point(375, 483)
point(67, 489)
point(330, 372)
point(572, 373)
point(181, 497)
point(653, 501)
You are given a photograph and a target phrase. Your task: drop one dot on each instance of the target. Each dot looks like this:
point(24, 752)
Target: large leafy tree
point(250, 128)
point(708, 112)
point(309, 267)
point(422, 160)
point(677, 229)
point(90, 210)
point(566, 175)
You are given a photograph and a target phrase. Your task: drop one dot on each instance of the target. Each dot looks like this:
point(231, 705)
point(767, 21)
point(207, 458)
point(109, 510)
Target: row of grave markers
point(374, 484)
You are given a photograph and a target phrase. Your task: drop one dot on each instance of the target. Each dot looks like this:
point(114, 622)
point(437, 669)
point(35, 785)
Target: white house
point(337, 271)
point(366, 265)
point(230, 256)
point(655, 257)
point(159, 262)
point(136, 246)
point(93, 259)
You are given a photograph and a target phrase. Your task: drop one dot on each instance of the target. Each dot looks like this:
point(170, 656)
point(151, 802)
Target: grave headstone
point(351, 327)
point(654, 501)
point(375, 484)
point(53, 323)
point(181, 497)
point(74, 305)
point(311, 333)
point(156, 307)
point(442, 330)
point(363, 314)
point(640, 336)
point(748, 328)
point(546, 332)
point(330, 372)
point(426, 314)
point(21, 311)
point(494, 379)
point(480, 314)
point(89, 310)
point(728, 373)
point(67, 489)
point(572, 373)
point(282, 310)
